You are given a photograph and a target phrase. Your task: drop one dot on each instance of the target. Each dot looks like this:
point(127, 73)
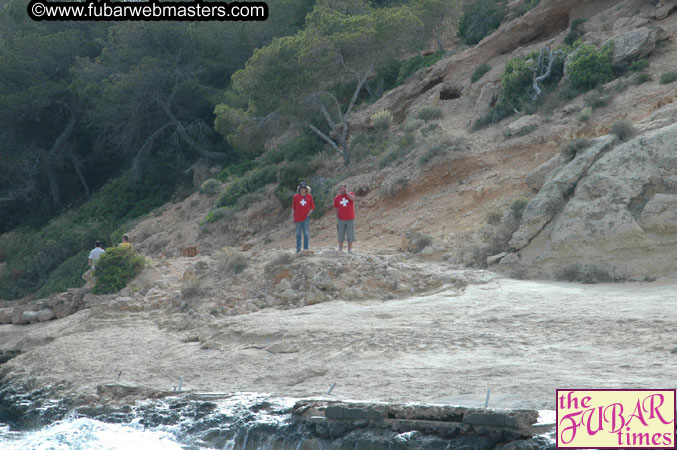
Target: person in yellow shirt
point(125, 242)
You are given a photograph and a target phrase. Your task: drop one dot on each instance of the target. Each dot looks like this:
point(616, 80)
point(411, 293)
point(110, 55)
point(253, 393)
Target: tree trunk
point(53, 183)
point(78, 170)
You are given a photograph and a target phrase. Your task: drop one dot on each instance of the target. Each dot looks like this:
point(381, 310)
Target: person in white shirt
point(95, 254)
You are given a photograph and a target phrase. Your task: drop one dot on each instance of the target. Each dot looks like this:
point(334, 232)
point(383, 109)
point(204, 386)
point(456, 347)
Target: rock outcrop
point(613, 208)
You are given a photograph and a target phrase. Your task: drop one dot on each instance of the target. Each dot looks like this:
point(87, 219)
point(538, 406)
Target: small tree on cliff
point(343, 44)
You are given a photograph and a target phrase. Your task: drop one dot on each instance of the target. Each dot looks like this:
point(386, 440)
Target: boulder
point(536, 178)
point(619, 214)
point(523, 125)
point(46, 314)
point(30, 316)
point(289, 295)
point(6, 315)
point(660, 214)
point(549, 201)
point(485, 101)
point(632, 45)
point(491, 260)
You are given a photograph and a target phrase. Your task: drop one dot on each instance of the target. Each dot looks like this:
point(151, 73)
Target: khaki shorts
point(346, 227)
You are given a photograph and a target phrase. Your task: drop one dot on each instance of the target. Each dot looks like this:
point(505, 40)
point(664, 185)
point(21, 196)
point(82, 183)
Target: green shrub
point(247, 200)
point(226, 213)
point(591, 66)
point(289, 177)
point(413, 125)
point(67, 275)
point(641, 78)
point(210, 187)
point(571, 149)
point(585, 273)
point(302, 147)
point(517, 86)
point(494, 217)
point(253, 180)
point(479, 72)
point(382, 120)
point(233, 262)
point(114, 269)
point(524, 7)
point(668, 77)
point(639, 65)
point(395, 188)
point(597, 99)
point(236, 170)
point(517, 207)
point(432, 152)
point(430, 129)
point(574, 32)
point(479, 19)
point(428, 113)
point(412, 65)
point(585, 114)
point(623, 129)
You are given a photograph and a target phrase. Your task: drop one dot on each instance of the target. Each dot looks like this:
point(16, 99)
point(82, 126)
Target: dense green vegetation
point(115, 269)
point(102, 119)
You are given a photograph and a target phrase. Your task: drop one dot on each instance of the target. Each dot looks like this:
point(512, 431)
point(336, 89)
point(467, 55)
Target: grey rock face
point(549, 201)
point(633, 44)
point(618, 210)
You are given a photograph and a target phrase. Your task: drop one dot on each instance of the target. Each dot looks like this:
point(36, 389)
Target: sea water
point(88, 434)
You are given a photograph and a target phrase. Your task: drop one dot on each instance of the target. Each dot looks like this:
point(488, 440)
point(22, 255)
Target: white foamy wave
point(88, 434)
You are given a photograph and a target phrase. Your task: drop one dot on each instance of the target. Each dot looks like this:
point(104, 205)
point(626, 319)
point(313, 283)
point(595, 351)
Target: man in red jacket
point(344, 203)
point(302, 206)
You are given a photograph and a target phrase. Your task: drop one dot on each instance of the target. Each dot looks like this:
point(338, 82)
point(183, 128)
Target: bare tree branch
point(325, 137)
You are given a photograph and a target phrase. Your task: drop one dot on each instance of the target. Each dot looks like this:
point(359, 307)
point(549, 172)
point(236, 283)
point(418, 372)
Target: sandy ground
point(521, 339)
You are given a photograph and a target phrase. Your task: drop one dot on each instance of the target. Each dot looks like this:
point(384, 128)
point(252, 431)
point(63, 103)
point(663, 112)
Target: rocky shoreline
point(253, 421)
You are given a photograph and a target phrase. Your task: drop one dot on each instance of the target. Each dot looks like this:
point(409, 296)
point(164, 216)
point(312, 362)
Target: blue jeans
point(302, 226)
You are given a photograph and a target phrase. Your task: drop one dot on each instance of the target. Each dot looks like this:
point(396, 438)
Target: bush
point(223, 213)
point(597, 99)
point(253, 180)
point(395, 188)
point(586, 273)
point(382, 120)
point(248, 199)
point(289, 177)
point(302, 147)
point(668, 77)
point(623, 129)
point(67, 275)
point(236, 170)
point(494, 217)
point(479, 72)
point(210, 187)
point(479, 19)
point(574, 32)
point(413, 125)
point(233, 262)
point(517, 207)
point(525, 6)
point(432, 152)
point(639, 65)
point(428, 113)
point(114, 269)
point(591, 66)
point(570, 150)
point(585, 114)
point(641, 78)
point(412, 65)
point(404, 146)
